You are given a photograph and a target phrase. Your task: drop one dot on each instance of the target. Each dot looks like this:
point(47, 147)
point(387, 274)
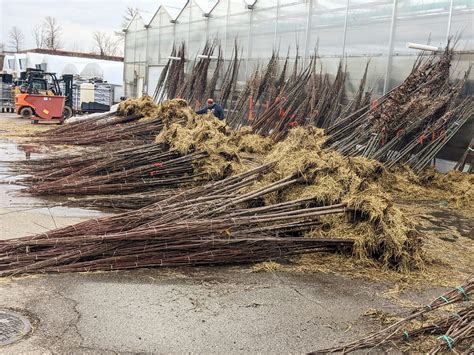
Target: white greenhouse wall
point(352, 30)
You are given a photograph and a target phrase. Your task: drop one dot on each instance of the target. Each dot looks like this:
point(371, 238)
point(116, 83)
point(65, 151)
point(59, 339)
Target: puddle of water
point(13, 200)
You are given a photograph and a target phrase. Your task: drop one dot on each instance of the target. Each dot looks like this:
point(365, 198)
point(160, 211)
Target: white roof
point(73, 68)
point(206, 5)
point(146, 16)
point(107, 70)
point(173, 11)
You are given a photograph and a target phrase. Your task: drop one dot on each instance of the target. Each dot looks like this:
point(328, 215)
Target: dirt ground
point(312, 303)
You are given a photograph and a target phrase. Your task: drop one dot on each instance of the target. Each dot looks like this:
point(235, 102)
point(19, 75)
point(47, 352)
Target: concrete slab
point(205, 310)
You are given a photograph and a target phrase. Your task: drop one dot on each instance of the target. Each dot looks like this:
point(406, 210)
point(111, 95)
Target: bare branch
point(126, 18)
point(39, 36)
point(16, 38)
point(128, 15)
point(104, 44)
point(52, 33)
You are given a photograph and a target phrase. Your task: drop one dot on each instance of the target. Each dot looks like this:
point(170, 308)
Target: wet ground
point(203, 310)
point(21, 214)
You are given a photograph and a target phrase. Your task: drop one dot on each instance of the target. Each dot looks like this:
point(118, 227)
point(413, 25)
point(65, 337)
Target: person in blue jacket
point(216, 109)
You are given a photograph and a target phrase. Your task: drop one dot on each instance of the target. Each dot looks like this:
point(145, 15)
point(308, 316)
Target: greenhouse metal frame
point(354, 31)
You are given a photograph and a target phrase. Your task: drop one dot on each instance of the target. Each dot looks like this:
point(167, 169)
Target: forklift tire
point(67, 113)
point(26, 112)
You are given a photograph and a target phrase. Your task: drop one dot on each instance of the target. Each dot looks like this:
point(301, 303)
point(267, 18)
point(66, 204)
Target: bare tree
point(126, 18)
point(105, 44)
point(39, 36)
point(16, 38)
point(76, 47)
point(128, 15)
point(52, 32)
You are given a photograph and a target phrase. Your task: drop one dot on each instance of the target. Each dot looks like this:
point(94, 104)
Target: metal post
point(388, 68)
point(225, 28)
point(159, 41)
point(308, 30)
point(276, 25)
point(189, 25)
point(345, 30)
point(147, 57)
point(249, 43)
point(125, 62)
point(448, 31)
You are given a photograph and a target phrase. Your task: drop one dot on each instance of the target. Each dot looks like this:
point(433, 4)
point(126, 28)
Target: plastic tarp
point(34, 59)
point(73, 68)
point(8, 64)
point(112, 72)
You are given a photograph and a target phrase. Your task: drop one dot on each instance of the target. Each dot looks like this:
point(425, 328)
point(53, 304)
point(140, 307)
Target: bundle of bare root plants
point(444, 332)
point(188, 157)
point(304, 199)
point(134, 122)
point(212, 224)
point(411, 123)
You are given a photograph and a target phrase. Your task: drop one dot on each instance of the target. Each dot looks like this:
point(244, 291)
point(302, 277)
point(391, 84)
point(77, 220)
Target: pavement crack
point(73, 323)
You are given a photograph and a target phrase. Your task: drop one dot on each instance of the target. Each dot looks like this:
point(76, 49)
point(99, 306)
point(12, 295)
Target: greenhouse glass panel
point(182, 26)
point(140, 46)
point(462, 24)
point(263, 29)
point(237, 6)
point(432, 16)
point(216, 27)
point(153, 45)
point(292, 20)
point(166, 41)
point(197, 30)
point(375, 74)
point(129, 55)
point(238, 22)
point(368, 27)
point(327, 27)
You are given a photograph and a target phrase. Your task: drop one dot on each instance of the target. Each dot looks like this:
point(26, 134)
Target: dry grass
point(20, 129)
point(228, 150)
point(385, 237)
point(453, 187)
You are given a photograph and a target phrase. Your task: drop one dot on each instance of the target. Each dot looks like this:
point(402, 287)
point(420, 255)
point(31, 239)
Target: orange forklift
point(40, 97)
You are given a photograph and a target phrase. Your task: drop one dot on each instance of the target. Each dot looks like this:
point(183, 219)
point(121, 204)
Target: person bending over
point(214, 108)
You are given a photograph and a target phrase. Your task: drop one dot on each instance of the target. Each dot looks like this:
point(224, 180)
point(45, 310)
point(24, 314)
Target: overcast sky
point(78, 18)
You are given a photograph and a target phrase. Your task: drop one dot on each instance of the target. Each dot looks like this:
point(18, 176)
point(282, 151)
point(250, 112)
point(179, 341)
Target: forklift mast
point(68, 80)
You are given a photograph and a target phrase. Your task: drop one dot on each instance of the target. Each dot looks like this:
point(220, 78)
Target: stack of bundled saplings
point(413, 122)
point(135, 121)
point(190, 150)
point(451, 331)
point(274, 101)
point(203, 79)
point(264, 194)
point(172, 161)
point(208, 225)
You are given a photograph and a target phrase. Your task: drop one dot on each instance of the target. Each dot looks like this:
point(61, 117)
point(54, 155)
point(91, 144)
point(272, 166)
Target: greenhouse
point(354, 31)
